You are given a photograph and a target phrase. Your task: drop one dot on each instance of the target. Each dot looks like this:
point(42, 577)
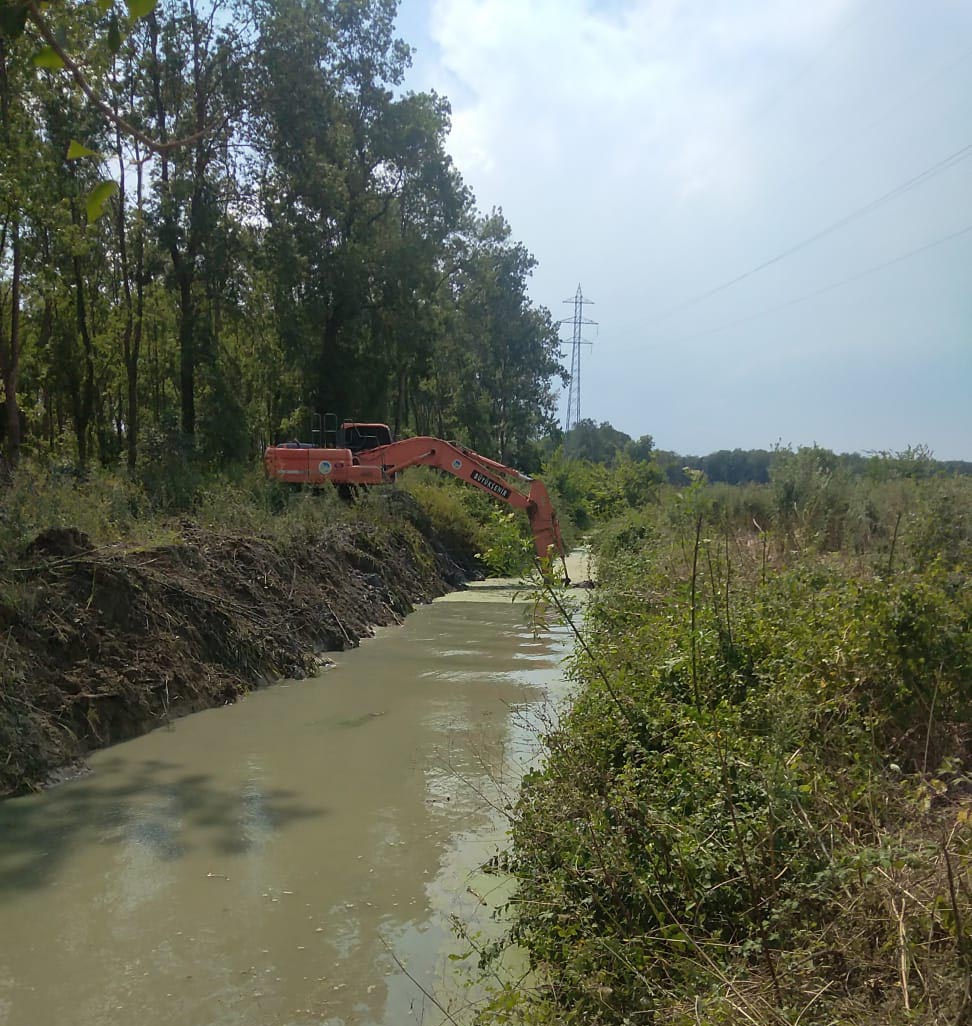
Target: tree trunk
point(10, 353)
point(131, 406)
point(83, 403)
point(11, 361)
point(187, 355)
point(182, 264)
point(400, 401)
point(132, 335)
point(327, 397)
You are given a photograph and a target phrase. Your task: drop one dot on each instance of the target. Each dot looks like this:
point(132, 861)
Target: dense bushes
point(111, 507)
point(587, 493)
point(755, 808)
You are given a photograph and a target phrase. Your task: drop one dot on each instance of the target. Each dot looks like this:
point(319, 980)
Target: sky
point(654, 150)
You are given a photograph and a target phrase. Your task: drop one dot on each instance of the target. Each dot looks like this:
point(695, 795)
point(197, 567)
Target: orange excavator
point(366, 454)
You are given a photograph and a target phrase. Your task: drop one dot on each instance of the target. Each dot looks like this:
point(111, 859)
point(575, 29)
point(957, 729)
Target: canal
point(295, 858)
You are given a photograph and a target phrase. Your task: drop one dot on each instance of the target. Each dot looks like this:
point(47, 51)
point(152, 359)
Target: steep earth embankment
point(100, 645)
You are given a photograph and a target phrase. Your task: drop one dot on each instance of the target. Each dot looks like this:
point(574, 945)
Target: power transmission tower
point(579, 321)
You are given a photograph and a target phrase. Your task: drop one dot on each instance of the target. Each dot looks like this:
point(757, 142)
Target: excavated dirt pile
point(101, 645)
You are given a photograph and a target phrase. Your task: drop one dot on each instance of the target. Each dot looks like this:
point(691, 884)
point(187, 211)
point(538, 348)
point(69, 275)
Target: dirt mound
point(59, 541)
point(104, 645)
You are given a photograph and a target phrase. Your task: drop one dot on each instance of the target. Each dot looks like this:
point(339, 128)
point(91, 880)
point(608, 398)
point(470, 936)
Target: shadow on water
point(151, 806)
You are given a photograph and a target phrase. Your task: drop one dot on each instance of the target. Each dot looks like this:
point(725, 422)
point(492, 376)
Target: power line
point(798, 171)
point(899, 190)
point(827, 288)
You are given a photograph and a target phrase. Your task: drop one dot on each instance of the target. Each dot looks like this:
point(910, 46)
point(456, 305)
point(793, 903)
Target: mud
point(98, 646)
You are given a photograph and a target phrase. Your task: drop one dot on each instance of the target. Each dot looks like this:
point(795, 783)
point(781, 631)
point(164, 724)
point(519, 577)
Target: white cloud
point(573, 80)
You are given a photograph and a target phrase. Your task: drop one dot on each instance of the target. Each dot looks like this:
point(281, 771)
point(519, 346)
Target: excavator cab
point(359, 437)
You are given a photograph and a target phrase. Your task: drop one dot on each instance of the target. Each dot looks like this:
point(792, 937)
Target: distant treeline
point(605, 444)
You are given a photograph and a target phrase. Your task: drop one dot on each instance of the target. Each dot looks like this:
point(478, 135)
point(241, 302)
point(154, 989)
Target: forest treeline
point(605, 444)
point(286, 236)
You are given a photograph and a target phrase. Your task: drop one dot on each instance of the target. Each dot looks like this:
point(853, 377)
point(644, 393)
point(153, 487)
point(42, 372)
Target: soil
point(100, 645)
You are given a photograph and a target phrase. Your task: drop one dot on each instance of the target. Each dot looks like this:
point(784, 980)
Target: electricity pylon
point(578, 321)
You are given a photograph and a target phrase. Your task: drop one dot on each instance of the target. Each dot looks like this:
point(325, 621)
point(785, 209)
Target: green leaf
point(76, 151)
point(114, 34)
point(97, 199)
point(48, 58)
point(104, 5)
point(13, 18)
point(140, 8)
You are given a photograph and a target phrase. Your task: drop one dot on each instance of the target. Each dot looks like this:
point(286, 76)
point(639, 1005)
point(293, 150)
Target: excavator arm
point(481, 472)
point(300, 463)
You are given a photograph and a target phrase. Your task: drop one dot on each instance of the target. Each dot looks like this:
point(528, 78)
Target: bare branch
point(81, 81)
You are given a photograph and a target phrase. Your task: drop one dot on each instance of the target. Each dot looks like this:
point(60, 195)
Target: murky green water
point(272, 862)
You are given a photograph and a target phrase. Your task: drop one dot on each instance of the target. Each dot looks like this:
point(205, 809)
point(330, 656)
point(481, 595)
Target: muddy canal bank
point(101, 645)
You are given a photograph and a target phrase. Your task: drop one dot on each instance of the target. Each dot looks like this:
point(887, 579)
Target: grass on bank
point(758, 809)
point(111, 508)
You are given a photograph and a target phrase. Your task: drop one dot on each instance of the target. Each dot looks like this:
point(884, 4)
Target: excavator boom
point(481, 472)
point(305, 464)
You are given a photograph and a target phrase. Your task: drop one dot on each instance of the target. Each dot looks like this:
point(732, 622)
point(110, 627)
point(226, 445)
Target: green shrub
point(587, 493)
point(628, 534)
point(940, 527)
point(251, 503)
point(446, 505)
point(736, 820)
point(505, 546)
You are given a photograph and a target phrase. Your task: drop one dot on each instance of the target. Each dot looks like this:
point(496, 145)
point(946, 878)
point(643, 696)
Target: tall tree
point(12, 137)
point(131, 258)
point(505, 351)
point(358, 192)
point(194, 69)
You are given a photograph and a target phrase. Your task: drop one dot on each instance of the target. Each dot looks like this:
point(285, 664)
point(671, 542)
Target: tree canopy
point(218, 219)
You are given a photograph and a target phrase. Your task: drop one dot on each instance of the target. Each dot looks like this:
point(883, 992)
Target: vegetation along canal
point(281, 860)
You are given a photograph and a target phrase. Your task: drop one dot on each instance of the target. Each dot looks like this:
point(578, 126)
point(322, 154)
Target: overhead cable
point(811, 64)
point(827, 288)
point(899, 190)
